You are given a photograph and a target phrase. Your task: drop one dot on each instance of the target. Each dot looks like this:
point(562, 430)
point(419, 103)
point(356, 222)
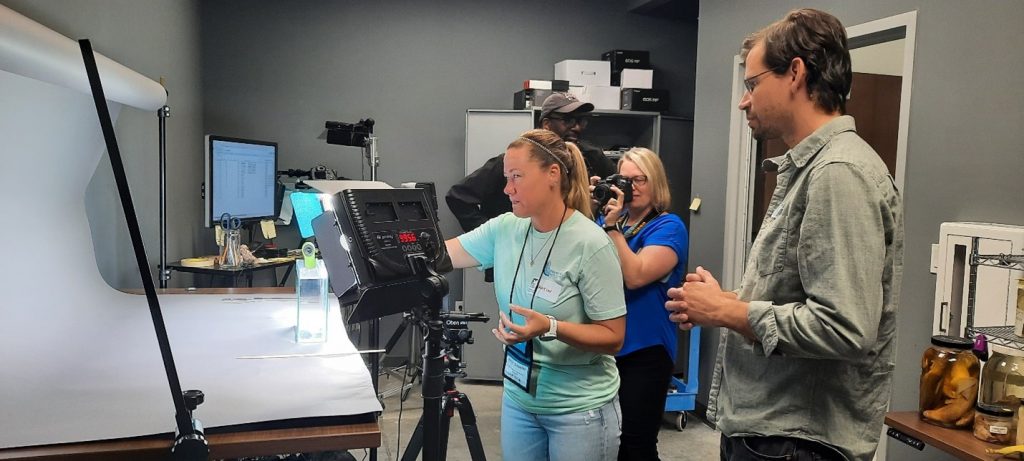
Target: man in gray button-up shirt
point(805, 363)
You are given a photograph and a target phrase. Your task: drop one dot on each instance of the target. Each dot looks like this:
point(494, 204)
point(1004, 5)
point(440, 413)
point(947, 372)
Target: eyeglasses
point(571, 121)
point(750, 83)
point(638, 180)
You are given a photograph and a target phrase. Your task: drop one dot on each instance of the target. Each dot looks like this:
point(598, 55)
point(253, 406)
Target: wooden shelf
point(957, 442)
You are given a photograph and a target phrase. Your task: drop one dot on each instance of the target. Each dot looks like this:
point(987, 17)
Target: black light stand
point(410, 368)
point(434, 289)
point(189, 442)
point(360, 134)
point(388, 239)
point(431, 289)
point(162, 114)
point(452, 399)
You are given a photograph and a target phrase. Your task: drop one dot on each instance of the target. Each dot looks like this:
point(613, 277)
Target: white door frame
point(739, 195)
point(739, 186)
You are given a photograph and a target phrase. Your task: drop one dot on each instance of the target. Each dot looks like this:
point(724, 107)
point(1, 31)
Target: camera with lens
point(603, 189)
point(349, 134)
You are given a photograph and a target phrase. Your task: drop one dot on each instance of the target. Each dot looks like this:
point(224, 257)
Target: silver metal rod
point(373, 157)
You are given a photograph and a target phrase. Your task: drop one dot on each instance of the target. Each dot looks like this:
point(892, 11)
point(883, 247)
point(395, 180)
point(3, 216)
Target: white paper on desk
point(308, 356)
point(286, 208)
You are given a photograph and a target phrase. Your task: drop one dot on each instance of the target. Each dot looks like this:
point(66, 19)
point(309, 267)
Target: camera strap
point(635, 229)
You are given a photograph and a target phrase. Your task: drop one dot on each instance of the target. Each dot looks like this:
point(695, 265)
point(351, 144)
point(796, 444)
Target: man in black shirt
point(479, 196)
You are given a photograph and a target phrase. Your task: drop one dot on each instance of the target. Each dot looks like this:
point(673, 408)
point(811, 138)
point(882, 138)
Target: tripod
point(408, 370)
point(452, 399)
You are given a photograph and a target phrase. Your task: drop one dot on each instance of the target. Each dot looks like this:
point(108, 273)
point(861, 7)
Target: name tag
point(518, 364)
point(548, 289)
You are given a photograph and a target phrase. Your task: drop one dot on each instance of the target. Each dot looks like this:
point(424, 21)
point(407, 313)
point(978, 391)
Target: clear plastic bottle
point(311, 292)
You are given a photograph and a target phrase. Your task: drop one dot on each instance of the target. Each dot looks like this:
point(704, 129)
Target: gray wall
point(156, 38)
point(965, 159)
point(277, 70)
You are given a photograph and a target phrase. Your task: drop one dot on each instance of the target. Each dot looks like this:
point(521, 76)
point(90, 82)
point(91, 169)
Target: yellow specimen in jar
point(933, 365)
point(957, 386)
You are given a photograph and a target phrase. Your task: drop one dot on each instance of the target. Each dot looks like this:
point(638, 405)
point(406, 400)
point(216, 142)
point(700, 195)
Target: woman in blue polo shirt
point(562, 310)
point(652, 245)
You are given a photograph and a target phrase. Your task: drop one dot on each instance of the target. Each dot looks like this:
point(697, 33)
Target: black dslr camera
point(603, 189)
point(349, 134)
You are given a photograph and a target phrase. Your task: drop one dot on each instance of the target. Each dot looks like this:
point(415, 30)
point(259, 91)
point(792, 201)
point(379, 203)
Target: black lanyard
point(635, 229)
point(546, 259)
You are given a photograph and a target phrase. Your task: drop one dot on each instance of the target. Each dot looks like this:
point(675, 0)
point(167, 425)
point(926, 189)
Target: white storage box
point(602, 97)
point(637, 78)
point(578, 91)
point(584, 72)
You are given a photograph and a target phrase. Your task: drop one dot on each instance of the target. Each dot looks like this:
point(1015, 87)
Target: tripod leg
point(395, 336)
point(412, 450)
point(476, 447)
point(446, 422)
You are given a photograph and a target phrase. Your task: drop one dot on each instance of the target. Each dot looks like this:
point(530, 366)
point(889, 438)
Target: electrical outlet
point(458, 306)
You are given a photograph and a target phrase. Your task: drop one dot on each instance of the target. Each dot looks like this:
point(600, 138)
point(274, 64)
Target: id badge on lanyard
point(518, 366)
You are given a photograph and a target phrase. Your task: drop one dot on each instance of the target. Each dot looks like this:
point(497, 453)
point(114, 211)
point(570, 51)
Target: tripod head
point(456, 327)
point(455, 334)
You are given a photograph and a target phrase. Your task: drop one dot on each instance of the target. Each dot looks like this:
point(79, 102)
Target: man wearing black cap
point(479, 196)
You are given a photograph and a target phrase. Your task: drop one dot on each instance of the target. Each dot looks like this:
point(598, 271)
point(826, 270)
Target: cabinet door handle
point(943, 317)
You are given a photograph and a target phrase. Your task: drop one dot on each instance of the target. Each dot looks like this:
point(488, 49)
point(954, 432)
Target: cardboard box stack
point(622, 79)
point(631, 70)
point(590, 81)
point(535, 91)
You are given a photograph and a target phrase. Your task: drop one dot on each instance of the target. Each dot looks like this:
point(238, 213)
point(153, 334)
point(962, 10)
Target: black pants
point(775, 448)
point(645, 375)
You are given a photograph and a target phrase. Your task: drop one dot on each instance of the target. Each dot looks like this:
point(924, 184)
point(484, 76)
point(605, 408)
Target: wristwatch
point(612, 227)
point(552, 332)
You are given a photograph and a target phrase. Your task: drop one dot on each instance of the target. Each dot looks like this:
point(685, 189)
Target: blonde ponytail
point(578, 194)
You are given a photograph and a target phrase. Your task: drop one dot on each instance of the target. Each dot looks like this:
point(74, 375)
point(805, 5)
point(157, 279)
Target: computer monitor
point(241, 179)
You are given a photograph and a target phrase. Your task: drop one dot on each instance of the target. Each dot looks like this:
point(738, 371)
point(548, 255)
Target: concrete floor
point(696, 442)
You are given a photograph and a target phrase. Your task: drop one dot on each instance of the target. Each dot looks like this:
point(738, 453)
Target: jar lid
point(995, 410)
point(953, 342)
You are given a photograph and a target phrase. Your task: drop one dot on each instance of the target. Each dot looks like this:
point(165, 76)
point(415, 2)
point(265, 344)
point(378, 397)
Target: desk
point(241, 421)
point(361, 431)
point(960, 443)
point(235, 273)
point(227, 445)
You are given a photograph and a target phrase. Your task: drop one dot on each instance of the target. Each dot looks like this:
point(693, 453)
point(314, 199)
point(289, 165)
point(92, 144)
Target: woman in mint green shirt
point(558, 284)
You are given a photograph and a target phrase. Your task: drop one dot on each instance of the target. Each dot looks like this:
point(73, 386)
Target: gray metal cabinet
point(488, 133)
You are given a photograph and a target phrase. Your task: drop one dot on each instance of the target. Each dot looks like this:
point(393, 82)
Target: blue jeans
point(591, 435)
